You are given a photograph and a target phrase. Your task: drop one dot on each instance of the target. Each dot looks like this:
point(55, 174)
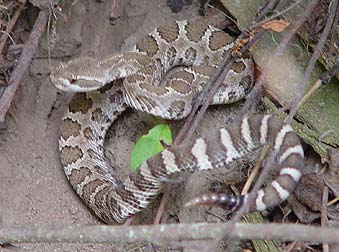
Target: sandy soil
point(33, 188)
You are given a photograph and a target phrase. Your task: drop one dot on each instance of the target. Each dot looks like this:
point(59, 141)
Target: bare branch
point(324, 214)
point(23, 63)
point(162, 234)
point(280, 13)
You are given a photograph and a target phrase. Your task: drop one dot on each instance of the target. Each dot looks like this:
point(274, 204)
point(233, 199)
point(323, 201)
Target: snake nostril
point(72, 81)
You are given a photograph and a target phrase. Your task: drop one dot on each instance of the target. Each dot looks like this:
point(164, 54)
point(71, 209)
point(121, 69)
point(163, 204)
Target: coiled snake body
point(89, 115)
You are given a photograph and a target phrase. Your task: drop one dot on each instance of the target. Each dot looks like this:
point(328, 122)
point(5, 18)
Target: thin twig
point(262, 11)
point(324, 214)
point(313, 60)
point(204, 99)
point(291, 246)
point(324, 78)
point(333, 34)
point(255, 170)
point(225, 66)
point(162, 205)
point(316, 85)
point(23, 63)
point(335, 200)
point(280, 13)
point(161, 234)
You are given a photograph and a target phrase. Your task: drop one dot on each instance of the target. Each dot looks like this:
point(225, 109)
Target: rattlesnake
point(89, 115)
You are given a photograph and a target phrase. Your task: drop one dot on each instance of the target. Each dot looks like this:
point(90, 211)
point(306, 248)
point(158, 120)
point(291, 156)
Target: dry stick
point(324, 78)
point(204, 99)
point(333, 33)
point(217, 84)
point(161, 234)
point(223, 67)
point(23, 63)
point(188, 124)
point(254, 93)
point(324, 214)
point(10, 26)
point(335, 200)
point(313, 60)
point(162, 205)
point(291, 246)
point(316, 85)
point(255, 170)
point(282, 47)
point(262, 11)
point(280, 13)
point(227, 62)
point(183, 131)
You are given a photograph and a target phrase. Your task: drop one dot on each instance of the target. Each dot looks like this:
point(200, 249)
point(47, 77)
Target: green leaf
point(150, 145)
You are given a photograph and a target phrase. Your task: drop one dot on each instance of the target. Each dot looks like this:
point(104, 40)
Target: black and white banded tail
point(253, 133)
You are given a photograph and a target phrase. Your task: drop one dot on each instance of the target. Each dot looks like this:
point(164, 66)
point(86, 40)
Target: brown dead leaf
point(304, 214)
point(275, 25)
point(309, 191)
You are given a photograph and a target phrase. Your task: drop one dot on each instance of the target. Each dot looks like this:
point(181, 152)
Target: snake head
point(79, 75)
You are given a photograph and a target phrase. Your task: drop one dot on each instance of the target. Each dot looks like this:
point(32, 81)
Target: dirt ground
point(33, 187)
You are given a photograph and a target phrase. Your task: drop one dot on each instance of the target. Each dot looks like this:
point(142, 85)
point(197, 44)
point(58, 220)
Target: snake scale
point(137, 80)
